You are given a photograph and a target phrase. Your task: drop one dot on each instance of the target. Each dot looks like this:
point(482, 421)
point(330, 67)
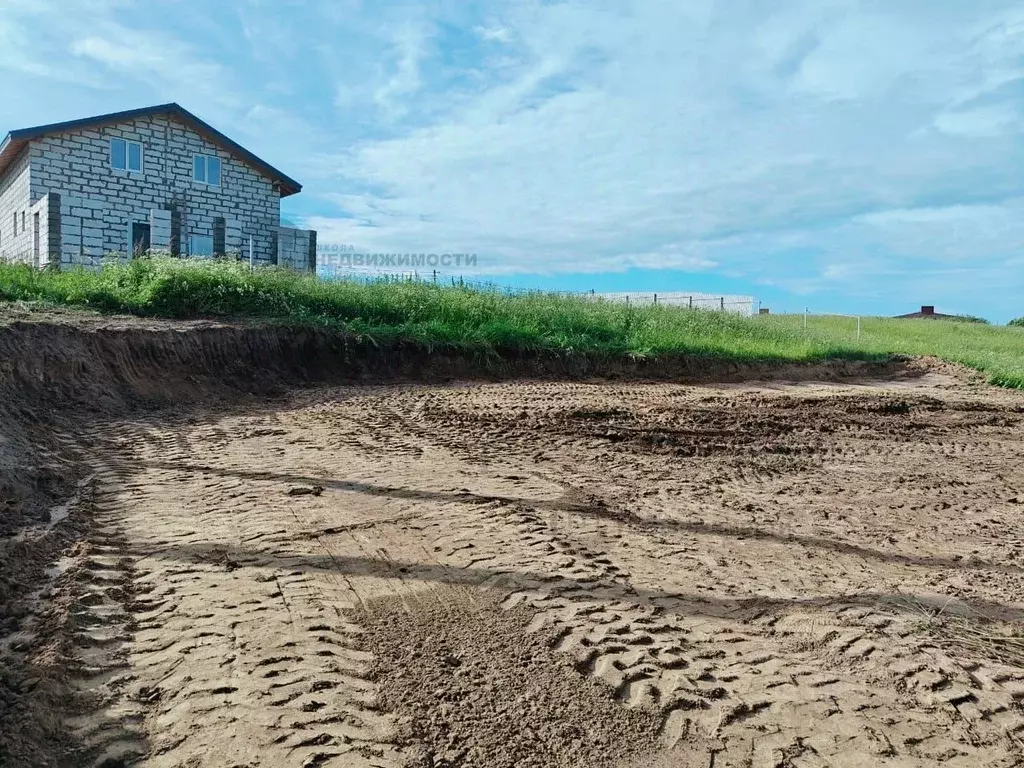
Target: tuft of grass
point(962, 630)
point(494, 322)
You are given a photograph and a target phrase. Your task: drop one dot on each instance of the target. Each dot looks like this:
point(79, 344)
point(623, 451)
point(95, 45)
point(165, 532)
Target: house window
point(126, 155)
point(206, 170)
point(200, 245)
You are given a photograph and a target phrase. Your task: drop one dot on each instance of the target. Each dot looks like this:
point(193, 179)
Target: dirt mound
point(100, 363)
point(477, 690)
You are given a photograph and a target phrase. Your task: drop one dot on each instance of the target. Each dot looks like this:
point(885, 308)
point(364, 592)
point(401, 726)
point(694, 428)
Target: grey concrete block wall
point(85, 231)
point(219, 232)
point(233, 242)
point(160, 230)
point(294, 247)
point(175, 229)
point(45, 224)
point(15, 202)
point(107, 201)
point(55, 234)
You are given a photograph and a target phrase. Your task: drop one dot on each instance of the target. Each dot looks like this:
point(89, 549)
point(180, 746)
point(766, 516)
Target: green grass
point(495, 322)
point(996, 351)
point(432, 315)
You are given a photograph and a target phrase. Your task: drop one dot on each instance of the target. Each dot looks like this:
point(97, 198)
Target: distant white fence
point(744, 305)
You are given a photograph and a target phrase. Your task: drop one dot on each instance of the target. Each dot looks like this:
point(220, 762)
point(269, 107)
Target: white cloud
point(840, 272)
point(494, 34)
point(967, 234)
point(409, 46)
point(169, 65)
point(983, 122)
point(20, 55)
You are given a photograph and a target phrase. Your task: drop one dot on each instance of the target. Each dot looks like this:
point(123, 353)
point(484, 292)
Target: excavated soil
point(475, 687)
point(209, 559)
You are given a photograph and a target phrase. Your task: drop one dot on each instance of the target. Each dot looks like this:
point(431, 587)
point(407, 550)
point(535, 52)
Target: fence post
point(655, 299)
point(251, 260)
point(858, 328)
point(723, 303)
point(806, 310)
point(435, 277)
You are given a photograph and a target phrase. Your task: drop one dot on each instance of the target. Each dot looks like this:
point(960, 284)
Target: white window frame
point(206, 169)
point(127, 155)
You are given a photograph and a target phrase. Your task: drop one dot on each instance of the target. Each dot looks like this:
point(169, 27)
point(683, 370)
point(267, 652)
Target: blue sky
point(845, 155)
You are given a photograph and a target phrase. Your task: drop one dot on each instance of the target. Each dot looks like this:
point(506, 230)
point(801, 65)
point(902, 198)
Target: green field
point(496, 322)
point(997, 351)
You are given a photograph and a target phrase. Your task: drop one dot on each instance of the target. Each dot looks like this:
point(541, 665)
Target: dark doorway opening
point(140, 239)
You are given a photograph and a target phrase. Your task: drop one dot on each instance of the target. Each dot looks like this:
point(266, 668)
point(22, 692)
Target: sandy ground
point(553, 574)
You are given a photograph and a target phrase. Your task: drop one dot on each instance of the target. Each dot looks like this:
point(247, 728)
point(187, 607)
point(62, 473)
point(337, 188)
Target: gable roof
point(927, 312)
point(15, 141)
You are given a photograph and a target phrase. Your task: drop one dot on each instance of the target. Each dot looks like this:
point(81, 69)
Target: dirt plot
point(548, 574)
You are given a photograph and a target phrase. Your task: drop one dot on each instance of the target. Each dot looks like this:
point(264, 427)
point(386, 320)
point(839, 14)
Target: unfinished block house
point(157, 178)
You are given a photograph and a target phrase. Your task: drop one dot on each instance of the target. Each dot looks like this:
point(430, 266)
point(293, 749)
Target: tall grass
point(429, 314)
point(493, 321)
point(997, 351)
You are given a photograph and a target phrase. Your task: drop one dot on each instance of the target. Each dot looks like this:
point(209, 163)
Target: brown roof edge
point(15, 141)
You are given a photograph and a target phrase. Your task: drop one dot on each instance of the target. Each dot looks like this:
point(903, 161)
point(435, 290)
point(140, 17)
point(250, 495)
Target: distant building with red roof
point(927, 313)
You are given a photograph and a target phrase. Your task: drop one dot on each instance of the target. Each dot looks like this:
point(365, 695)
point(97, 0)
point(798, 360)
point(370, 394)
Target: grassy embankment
point(996, 351)
point(495, 322)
